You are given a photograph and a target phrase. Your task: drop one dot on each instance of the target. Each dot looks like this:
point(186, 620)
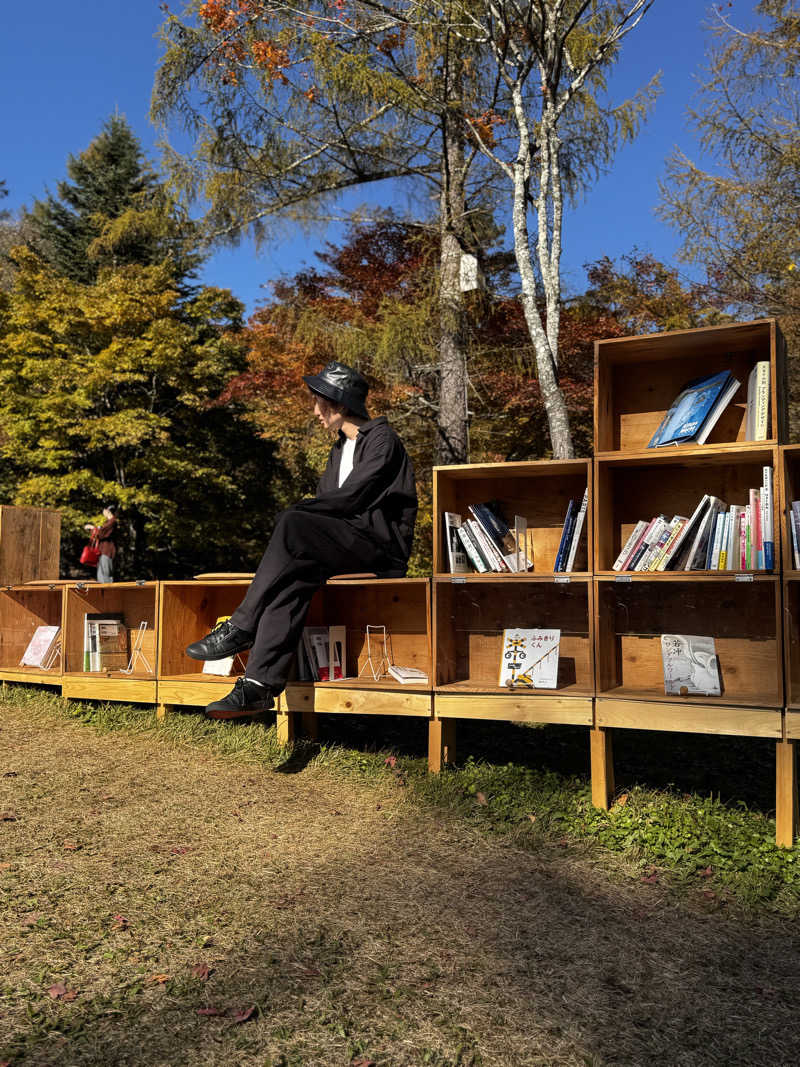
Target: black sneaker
point(245, 699)
point(224, 640)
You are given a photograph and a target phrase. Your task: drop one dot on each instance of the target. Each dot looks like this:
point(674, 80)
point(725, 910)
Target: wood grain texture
point(304, 697)
point(123, 690)
point(785, 794)
point(441, 744)
point(499, 707)
point(691, 718)
point(602, 764)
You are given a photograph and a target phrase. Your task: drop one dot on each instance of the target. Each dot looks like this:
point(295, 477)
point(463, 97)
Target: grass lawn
point(192, 894)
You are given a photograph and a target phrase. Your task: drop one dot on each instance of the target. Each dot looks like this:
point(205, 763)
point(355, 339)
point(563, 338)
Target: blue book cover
point(569, 523)
point(684, 420)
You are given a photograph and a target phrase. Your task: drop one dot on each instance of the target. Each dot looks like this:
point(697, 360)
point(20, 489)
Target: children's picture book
point(695, 410)
point(529, 659)
point(690, 665)
point(40, 647)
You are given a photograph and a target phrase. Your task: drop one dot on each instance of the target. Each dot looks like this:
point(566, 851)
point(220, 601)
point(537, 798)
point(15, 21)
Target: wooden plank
point(602, 764)
point(793, 725)
point(122, 690)
point(189, 693)
point(31, 676)
point(693, 719)
point(306, 697)
point(785, 794)
point(524, 708)
point(441, 744)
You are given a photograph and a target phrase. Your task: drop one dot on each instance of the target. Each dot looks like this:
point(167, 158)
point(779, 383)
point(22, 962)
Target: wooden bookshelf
point(22, 610)
point(402, 605)
point(789, 490)
point(30, 544)
point(636, 379)
point(138, 603)
point(540, 491)
point(641, 485)
point(188, 611)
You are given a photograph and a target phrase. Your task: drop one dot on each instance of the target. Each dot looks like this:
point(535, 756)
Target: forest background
point(125, 379)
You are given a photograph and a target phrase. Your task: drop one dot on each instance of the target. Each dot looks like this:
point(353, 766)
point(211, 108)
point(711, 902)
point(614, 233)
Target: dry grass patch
point(205, 910)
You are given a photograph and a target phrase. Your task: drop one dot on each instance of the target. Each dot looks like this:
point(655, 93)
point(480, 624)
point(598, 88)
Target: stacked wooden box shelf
point(22, 610)
point(790, 490)
point(188, 611)
point(138, 603)
point(636, 380)
point(470, 611)
point(30, 543)
point(402, 605)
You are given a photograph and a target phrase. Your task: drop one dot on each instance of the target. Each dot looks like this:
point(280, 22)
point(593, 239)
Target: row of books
point(484, 542)
point(571, 531)
point(794, 532)
point(697, 408)
point(105, 642)
point(321, 645)
point(715, 537)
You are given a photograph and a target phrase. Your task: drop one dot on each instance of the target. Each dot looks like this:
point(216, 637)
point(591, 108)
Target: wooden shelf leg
point(602, 762)
point(162, 710)
point(441, 743)
point(785, 794)
point(286, 727)
point(310, 724)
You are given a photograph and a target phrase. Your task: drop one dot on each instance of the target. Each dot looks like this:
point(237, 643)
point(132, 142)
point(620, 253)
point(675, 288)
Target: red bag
point(90, 555)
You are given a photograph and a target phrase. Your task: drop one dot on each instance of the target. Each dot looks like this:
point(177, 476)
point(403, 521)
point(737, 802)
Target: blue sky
point(66, 67)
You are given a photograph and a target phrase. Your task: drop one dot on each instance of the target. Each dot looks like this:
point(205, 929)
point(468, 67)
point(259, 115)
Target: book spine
point(648, 545)
point(723, 547)
point(487, 547)
point(665, 538)
point(573, 548)
point(564, 528)
point(746, 539)
point(762, 402)
point(568, 535)
point(640, 546)
point(473, 554)
point(669, 548)
point(767, 538)
point(628, 547)
point(719, 529)
point(795, 541)
point(758, 519)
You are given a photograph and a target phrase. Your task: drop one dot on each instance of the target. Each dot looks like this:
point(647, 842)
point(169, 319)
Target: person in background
point(106, 536)
point(361, 519)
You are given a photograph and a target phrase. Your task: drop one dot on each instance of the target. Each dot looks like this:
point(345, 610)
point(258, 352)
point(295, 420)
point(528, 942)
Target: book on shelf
point(319, 642)
point(223, 666)
point(407, 675)
point(456, 557)
point(690, 665)
point(695, 410)
point(566, 534)
point(523, 545)
point(715, 537)
point(794, 522)
point(41, 647)
point(529, 659)
point(114, 634)
point(472, 550)
point(580, 520)
point(757, 411)
point(489, 550)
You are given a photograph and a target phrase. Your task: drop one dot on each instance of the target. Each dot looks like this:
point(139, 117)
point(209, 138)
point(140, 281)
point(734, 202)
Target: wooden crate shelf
point(469, 619)
point(633, 487)
point(789, 490)
point(688, 718)
point(539, 491)
point(138, 603)
point(30, 544)
point(742, 617)
point(22, 610)
point(636, 380)
point(791, 641)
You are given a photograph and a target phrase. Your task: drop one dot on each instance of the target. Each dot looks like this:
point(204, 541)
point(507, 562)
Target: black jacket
point(379, 496)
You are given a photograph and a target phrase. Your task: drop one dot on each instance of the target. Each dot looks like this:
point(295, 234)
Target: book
point(750, 408)
point(91, 658)
point(767, 533)
point(566, 530)
point(40, 647)
point(472, 549)
point(659, 543)
point(695, 410)
point(319, 644)
point(408, 675)
point(643, 553)
point(716, 547)
point(456, 557)
point(529, 659)
point(641, 545)
point(222, 666)
point(631, 542)
point(698, 552)
point(680, 546)
point(576, 534)
point(667, 543)
point(761, 412)
point(795, 536)
point(690, 665)
point(111, 639)
point(489, 551)
point(523, 545)
point(498, 538)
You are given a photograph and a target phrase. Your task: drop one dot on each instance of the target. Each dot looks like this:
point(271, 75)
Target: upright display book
point(690, 665)
point(456, 556)
point(529, 659)
point(695, 410)
point(223, 666)
point(41, 646)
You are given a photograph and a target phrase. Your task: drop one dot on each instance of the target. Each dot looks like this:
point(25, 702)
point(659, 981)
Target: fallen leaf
point(201, 971)
point(481, 798)
point(390, 761)
point(362, 1062)
point(158, 978)
point(245, 1014)
point(8, 816)
point(621, 801)
point(706, 872)
point(532, 818)
point(71, 846)
point(651, 879)
point(107, 796)
point(210, 1011)
point(31, 918)
point(120, 923)
point(180, 850)
point(335, 812)
point(6, 866)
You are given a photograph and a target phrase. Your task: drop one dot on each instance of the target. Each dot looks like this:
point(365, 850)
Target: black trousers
point(304, 551)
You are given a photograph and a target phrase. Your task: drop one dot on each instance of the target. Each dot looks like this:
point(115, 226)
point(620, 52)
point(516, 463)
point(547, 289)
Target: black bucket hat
point(342, 385)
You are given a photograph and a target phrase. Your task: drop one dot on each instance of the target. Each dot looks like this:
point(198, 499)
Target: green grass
point(717, 848)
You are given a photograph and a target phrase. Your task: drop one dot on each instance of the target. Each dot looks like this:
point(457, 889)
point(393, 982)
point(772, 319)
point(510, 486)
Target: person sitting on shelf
point(361, 519)
point(106, 537)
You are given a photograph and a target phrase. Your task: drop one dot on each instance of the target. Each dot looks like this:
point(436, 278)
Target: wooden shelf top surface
point(691, 455)
point(522, 468)
point(686, 576)
point(365, 683)
point(644, 348)
point(468, 686)
point(111, 676)
point(767, 701)
point(553, 577)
